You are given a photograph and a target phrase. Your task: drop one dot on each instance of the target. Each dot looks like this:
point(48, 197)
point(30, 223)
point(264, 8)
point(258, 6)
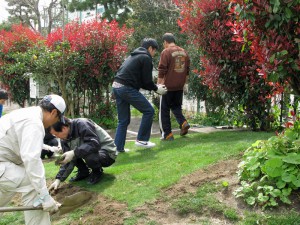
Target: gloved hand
point(47, 202)
point(52, 148)
point(161, 89)
point(68, 156)
point(50, 205)
point(185, 88)
point(54, 185)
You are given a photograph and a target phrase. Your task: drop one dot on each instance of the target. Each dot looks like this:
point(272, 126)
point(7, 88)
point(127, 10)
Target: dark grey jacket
point(85, 137)
point(136, 71)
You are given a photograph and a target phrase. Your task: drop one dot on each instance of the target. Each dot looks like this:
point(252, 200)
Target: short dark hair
point(169, 37)
point(59, 125)
point(3, 94)
point(149, 42)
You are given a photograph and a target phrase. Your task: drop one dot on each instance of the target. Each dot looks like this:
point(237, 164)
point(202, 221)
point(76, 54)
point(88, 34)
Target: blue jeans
point(126, 96)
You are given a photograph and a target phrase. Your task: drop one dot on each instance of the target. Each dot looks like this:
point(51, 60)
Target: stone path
point(155, 132)
point(133, 126)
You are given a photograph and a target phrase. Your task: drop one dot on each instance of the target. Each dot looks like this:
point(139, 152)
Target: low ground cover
point(188, 181)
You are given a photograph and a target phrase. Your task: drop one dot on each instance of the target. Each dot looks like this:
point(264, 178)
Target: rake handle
point(20, 208)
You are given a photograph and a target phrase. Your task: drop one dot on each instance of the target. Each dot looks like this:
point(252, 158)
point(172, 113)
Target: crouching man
point(90, 149)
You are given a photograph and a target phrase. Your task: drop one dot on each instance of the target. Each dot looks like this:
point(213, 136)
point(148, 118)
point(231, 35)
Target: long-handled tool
point(69, 203)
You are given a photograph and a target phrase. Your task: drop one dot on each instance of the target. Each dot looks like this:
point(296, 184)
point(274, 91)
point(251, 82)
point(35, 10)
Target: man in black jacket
point(90, 147)
point(136, 73)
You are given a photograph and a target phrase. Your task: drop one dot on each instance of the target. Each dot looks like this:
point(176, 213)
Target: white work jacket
point(21, 140)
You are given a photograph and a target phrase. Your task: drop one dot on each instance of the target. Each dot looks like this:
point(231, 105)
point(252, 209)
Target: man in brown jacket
point(173, 71)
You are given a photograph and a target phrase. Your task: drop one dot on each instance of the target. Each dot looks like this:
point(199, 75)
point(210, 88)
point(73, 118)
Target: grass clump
point(204, 202)
point(286, 218)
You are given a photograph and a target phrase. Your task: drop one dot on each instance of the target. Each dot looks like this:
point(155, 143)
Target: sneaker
point(169, 137)
point(184, 128)
point(145, 144)
point(80, 176)
point(95, 177)
point(122, 151)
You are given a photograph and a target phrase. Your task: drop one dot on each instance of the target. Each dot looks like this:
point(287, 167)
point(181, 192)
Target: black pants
point(95, 161)
point(170, 101)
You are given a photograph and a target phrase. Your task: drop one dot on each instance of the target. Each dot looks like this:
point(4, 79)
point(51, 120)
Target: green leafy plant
point(270, 169)
point(225, 184)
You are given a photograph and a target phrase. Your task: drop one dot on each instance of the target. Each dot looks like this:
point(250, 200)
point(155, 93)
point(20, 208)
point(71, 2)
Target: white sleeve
point(31, 134)
point(46, 147)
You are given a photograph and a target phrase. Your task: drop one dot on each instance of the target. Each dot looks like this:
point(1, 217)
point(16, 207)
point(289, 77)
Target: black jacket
point(136, 71)
point(85, 137)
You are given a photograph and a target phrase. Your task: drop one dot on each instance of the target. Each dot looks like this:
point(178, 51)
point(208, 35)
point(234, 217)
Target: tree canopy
point(113, 9)
point(31, 13)
point(78, 62)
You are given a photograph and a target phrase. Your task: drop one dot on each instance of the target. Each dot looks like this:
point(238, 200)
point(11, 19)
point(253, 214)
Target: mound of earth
point(106, 211)
point(109, 212)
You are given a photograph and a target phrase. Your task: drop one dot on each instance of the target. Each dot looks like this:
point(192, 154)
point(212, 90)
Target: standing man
point(90, 147)
point(21, 168)
point(3, 98)
point(136, 73)
point(173, 71)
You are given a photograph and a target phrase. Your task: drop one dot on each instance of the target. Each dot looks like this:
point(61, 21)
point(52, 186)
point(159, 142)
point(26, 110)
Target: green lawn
point(140, 175)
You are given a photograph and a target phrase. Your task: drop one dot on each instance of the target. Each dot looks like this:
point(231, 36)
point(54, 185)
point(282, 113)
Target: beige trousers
point(13, 179)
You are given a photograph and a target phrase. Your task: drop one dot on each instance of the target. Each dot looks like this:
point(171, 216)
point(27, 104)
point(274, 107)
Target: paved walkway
point(134, 125)
point(155, 132)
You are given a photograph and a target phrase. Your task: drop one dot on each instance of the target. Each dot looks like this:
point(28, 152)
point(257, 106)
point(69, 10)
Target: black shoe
point(95, 177)
point(80, 176)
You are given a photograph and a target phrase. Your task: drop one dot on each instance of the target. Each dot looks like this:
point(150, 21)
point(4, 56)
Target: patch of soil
point(109, 212)
point(103, 210)
point(161, 210)
point(106, 211)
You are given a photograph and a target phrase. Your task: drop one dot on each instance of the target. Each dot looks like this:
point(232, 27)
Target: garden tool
point(68, 204)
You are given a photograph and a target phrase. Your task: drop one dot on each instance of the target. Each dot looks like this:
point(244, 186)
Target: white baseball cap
point(58, 102)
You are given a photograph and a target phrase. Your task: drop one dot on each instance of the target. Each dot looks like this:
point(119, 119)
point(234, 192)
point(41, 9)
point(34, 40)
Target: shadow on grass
point(137, 156)
point(106, 181)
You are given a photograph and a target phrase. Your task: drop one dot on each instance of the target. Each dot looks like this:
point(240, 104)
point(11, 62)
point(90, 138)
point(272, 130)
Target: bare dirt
point(106, 211)
point(109, 212)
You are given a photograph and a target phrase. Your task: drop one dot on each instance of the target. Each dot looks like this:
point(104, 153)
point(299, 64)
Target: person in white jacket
point(21, 168)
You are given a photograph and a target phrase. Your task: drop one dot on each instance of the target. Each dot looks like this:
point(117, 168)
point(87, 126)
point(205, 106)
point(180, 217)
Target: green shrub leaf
point(280, 184)
point(273, 167)
point(286, 177)
point(292, 158)
point(296, 180)
point(250, 200)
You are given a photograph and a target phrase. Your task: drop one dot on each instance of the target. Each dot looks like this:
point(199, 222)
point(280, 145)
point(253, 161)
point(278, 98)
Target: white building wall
point(82, 16)
point(190, 105)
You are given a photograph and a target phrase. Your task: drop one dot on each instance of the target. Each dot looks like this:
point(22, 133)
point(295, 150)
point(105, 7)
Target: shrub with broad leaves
point(270, 171)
